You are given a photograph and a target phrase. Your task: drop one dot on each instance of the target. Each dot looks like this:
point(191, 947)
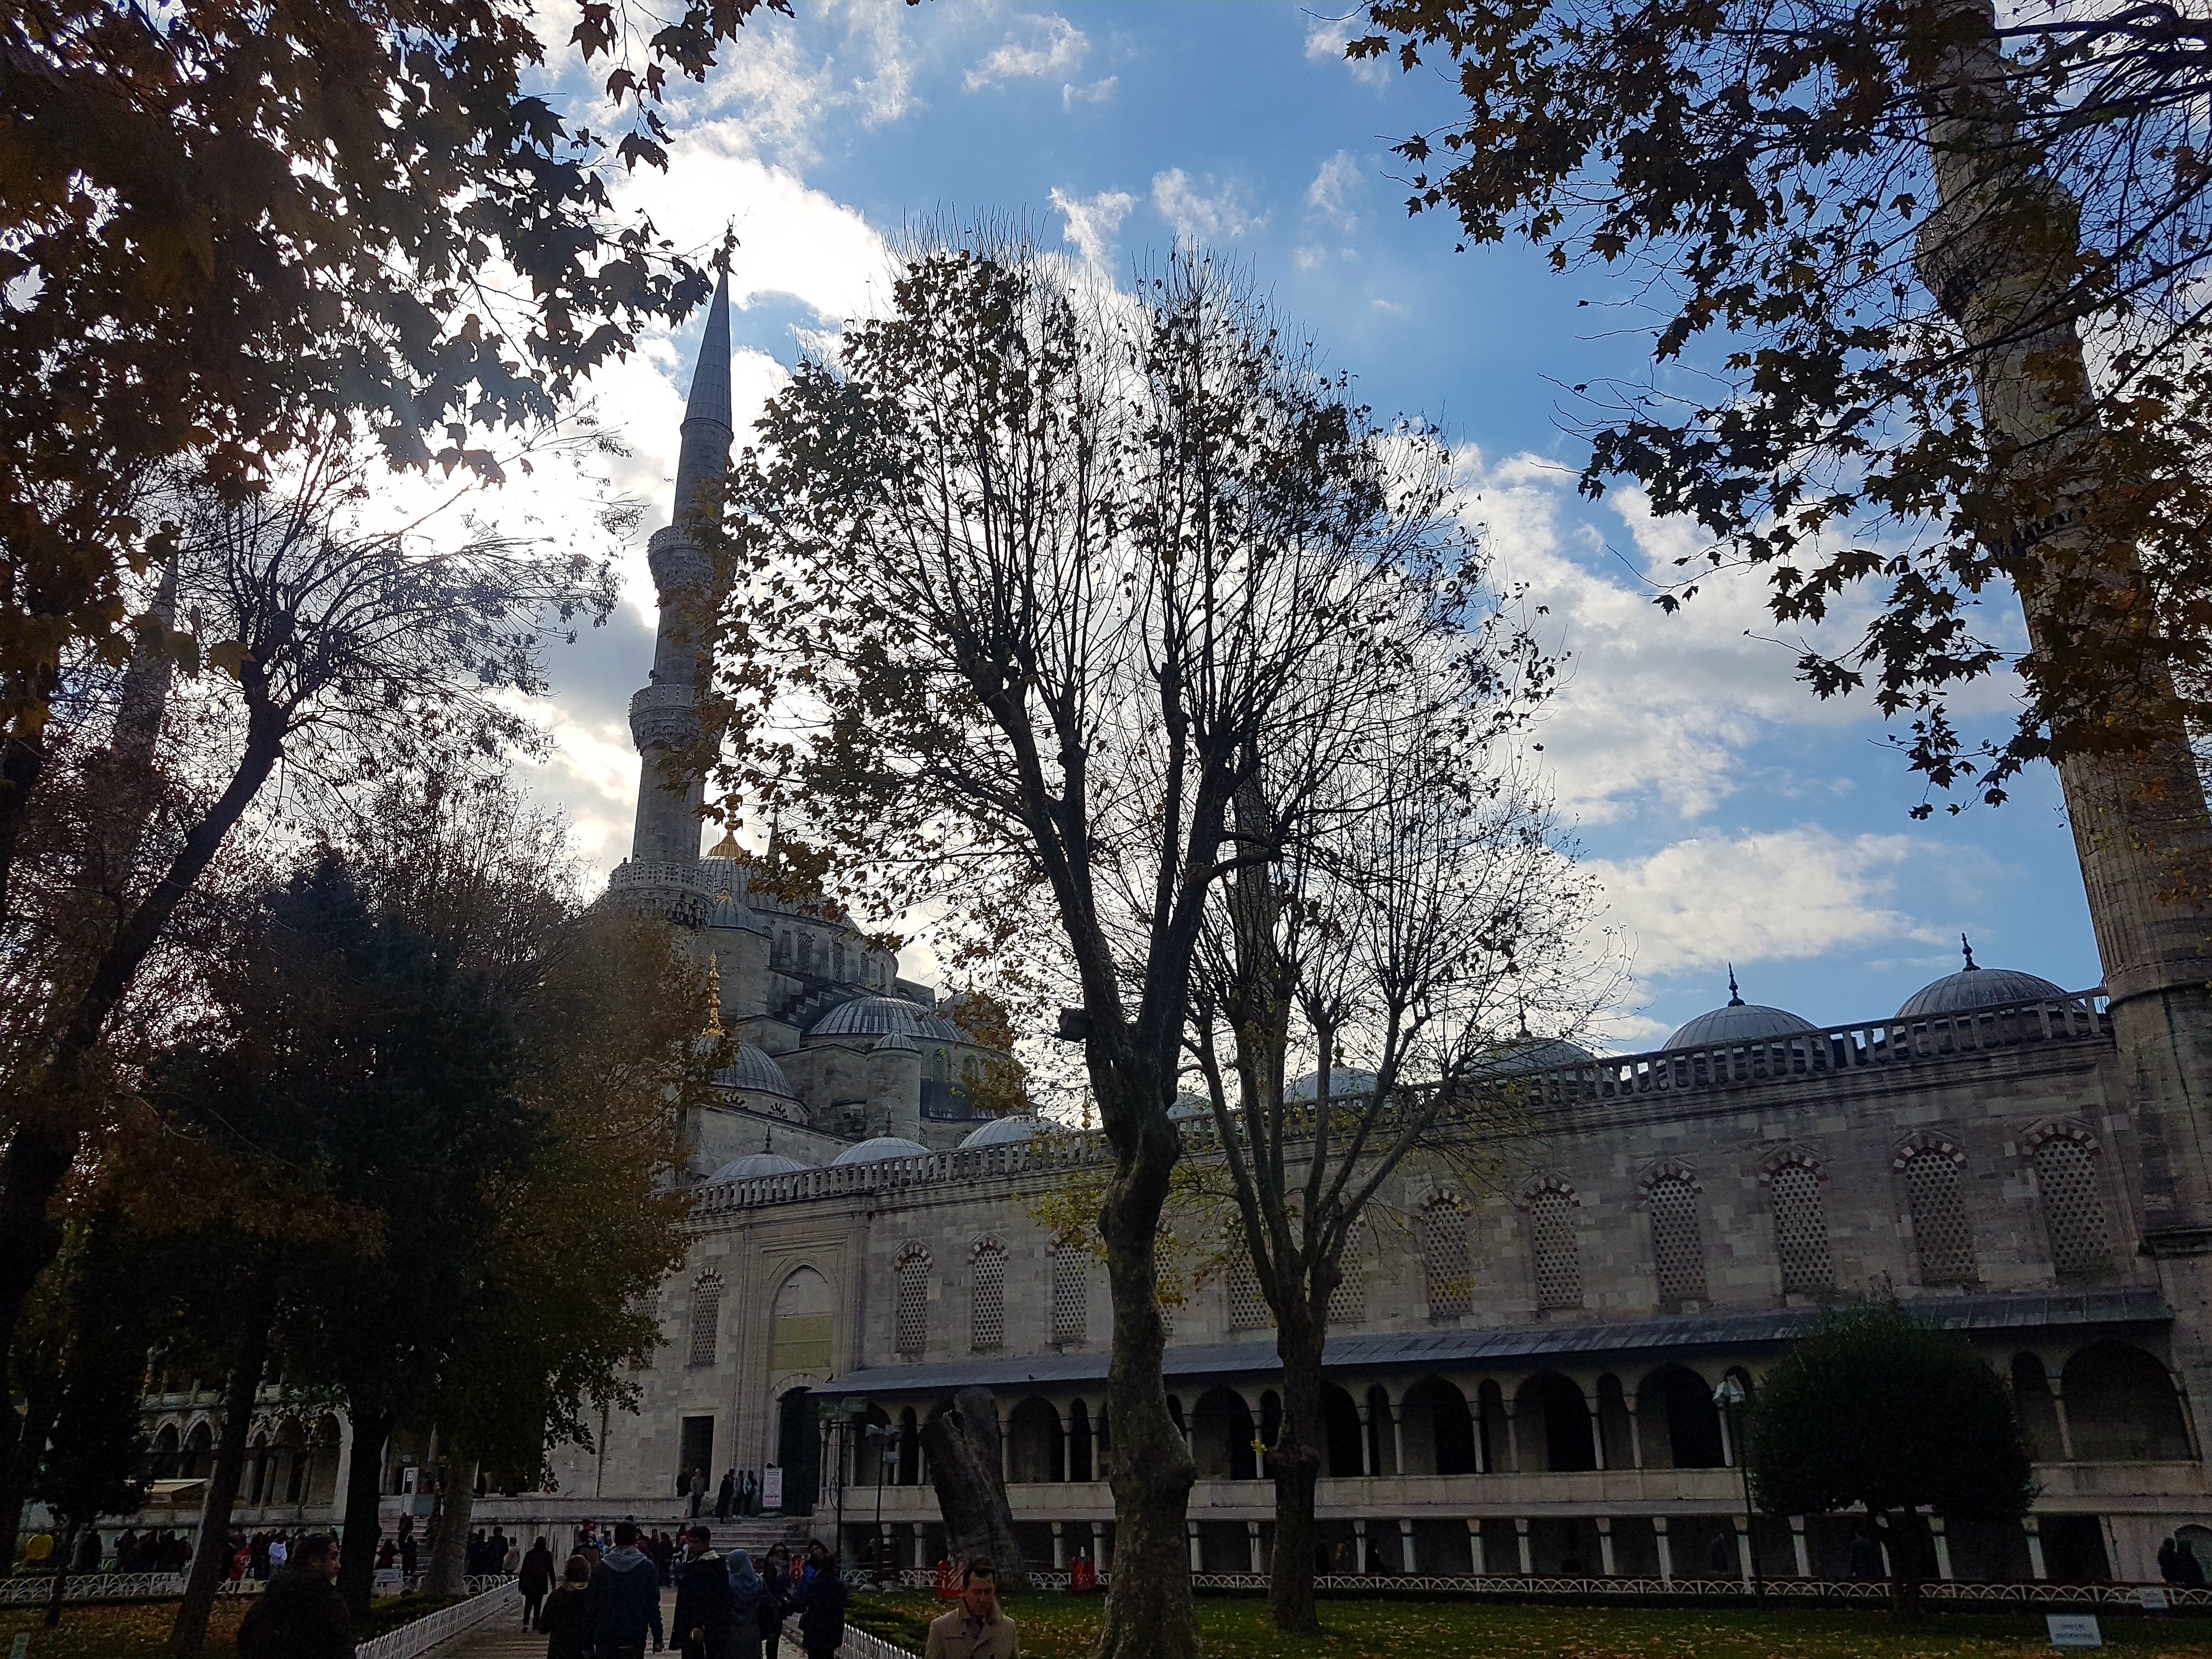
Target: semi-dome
point(1007, 1131)
point(1738, 1023)
point(757, 1164)
point(1976, 986)
point(1343, 1081)
point(881, 1016)
point(1535, 1054)
point(881, 1149)
point(755, 1070)
point(899, 1042)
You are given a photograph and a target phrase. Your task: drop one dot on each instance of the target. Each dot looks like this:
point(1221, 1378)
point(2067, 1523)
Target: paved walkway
point(504, 1637)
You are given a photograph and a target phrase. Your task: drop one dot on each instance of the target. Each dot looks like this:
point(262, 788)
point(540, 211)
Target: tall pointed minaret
point(663, 716)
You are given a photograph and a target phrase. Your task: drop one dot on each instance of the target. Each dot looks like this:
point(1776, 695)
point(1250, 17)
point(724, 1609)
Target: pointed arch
point(1446, 1279)
point(910, 1299)
point(987, 1279)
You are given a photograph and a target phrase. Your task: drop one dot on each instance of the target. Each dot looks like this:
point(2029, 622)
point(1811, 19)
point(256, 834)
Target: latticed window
point(910, 1309)
point(1933, 1194)
point(1443, 1257)
point(1678, 1244)
point(706, 1317)
point(1552, 1247)
point(1248, 1308)
point(1348, 1302)
point(2066, 1179)
point(1801, 1229)
point(1071, 1292)
point(986, 1320)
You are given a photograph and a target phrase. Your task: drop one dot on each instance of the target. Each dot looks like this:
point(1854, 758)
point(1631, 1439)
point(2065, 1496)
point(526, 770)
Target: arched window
point(1801, 1227)
point(1678, 1243)
point(987, 1270)
point(1445, 1272)
point(799, 1324)
point(783, 945)
point(1071, 1292)
point(1935, 1196)
point(1248, 1307)
point(1552, 1249)
point(2073, 1210)
point(1348, 1302)
point(910, 1313)
point(706, 1317)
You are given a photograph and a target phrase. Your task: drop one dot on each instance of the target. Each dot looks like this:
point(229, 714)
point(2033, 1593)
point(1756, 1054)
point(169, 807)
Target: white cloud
point(1098, 92)
point(1202, 214)
point(1093, 221)
point(1333, 194)
point(1326, 38)
point(1041, 45)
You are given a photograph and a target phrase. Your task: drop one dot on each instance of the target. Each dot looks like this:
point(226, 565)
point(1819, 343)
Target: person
point(2188, 1571)
point(697, 1488)
point(625, 1599)
point(411, 1548)
point(300, 1615)
point(750, 1606)
point(386, 1554)
point(775, 1579)
point(279, 1551)
point(819, 1602)
point(39, 1552)
point(1866, 1555)
point(89, 1551)
point(536, 1575)
point(565, 1619)
point(1717, 1555)
point(702, 1598)
point(726, 1494)
point(975, 1629)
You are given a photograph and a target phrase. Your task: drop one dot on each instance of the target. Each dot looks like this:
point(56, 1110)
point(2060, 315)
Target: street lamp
point(1729, 1396)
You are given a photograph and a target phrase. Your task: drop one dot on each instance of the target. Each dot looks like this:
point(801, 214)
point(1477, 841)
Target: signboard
point(2153, 1598)
point(2073, 1630)
point(21, 1647)
point(772, 1488)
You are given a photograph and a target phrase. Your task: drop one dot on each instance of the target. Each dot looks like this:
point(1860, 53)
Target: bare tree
point(1023, 583)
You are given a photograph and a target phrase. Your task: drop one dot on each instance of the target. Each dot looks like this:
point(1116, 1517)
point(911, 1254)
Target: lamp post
point(1728, 1395)
point(851, 1414)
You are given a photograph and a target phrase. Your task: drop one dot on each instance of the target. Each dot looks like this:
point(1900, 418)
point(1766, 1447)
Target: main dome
point(756, 1069)
point(757, 1164)
point(1007, 1131)
point(879, 1016)
point(1738, 1022)
point(881, 1150)
point(1976, 986)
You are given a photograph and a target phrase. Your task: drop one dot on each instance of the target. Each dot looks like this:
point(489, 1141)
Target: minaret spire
point(663, 717)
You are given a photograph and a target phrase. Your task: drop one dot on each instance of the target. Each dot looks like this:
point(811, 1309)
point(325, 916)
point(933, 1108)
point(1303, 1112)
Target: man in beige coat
point(975, 1629)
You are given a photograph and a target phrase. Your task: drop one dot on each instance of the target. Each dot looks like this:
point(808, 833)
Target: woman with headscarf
point(750, 1606)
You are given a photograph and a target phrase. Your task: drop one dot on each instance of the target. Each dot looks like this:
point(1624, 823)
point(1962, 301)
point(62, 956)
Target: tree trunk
point(1295, 1459)
point(457, 1507)
point(211, 1559)
point(38, 1159)
point(63, 1549)
point(1906, 1532)
point(967, 1468)
point(33, 1424)
point(364, 1493)
point(1149, 1613)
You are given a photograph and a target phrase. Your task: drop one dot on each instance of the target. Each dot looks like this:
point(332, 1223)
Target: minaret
point(664, 715)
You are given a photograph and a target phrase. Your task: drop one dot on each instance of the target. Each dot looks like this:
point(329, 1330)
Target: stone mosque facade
point(1521, 1375)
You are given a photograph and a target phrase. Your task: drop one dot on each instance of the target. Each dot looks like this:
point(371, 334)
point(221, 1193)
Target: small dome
point(757, 1164)
point(1739, 1022)
point(897, 1043)
point(755, 1070)
point(1007, 1131)
point(880, 1150)
point(1976, 986)
point(1188, 1108)
point(880, 1016)
point(1534, 1054)
point(1343, 1081)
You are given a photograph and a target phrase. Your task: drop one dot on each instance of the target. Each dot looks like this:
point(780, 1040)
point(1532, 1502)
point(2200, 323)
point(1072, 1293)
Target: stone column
point(1067, 1448)
point(1398, 1435)
point(1797, 1546)
point(920, 1546)
point(1359, 1543)
point(1366, 1451)
point(1521, 1537)
point(1635, 1431)
point(1743, 1547)
point(1406, 1545)
point(1474, 1393)
point(886, 1551)
point(1666, 1549)
point(2036, 1570)
point(1190, 1529)
point(1512, 1432)
point(1728, 1442)
point(1604, 1546)
point(1098, 1545)
point(1597, 1430)
point(1059, 1548)
point(1006, 1449)
point(2059, 1411)
point(2188, 1412)
point(1475, 1564)
point(1252, 1539)
point(1943, 1548)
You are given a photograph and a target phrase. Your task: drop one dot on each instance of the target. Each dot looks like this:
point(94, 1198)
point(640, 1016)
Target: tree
point(1021, 585)
point(1410, 910)
point(1874, 1407)
point(967, 1470)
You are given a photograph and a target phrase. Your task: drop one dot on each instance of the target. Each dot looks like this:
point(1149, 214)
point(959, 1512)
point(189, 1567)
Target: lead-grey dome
point(1007, 1131)
point(1976, 986)
point(757, 1164)
point(755, 1070)
point(1343, 1081)
point(1739, 1022)
point(880, 1150)
point(877, 1016)
point(1534, 1054)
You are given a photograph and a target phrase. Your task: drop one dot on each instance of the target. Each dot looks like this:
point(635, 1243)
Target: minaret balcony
point(678, 566)
point(663, 716)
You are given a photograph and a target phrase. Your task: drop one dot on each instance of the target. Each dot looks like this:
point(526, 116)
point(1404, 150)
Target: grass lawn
point(1061, 1626)
point(140, 1630)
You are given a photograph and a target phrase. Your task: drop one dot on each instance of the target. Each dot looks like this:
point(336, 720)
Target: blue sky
point(1730, 816)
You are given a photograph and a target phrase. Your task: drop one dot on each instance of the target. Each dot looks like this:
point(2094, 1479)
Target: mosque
point(1522, 1374)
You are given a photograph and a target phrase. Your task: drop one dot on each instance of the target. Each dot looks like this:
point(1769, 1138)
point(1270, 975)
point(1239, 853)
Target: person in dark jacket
point(751, 1607)
point(300, 1615)
point(820, 1605)
point(775, 1579)
point(624, 1597)
point(536, 1579)
point(702, 1599)
point(566, 1619)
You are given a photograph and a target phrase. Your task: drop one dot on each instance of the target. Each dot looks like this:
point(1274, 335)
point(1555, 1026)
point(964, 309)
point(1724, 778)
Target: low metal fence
point(421, 1635)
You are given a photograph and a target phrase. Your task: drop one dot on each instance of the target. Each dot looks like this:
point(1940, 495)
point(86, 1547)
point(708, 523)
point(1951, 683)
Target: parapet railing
point(1829, 1051)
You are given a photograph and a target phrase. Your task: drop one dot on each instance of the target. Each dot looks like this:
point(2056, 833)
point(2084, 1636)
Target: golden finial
point(727, 848)
point(714, 996)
